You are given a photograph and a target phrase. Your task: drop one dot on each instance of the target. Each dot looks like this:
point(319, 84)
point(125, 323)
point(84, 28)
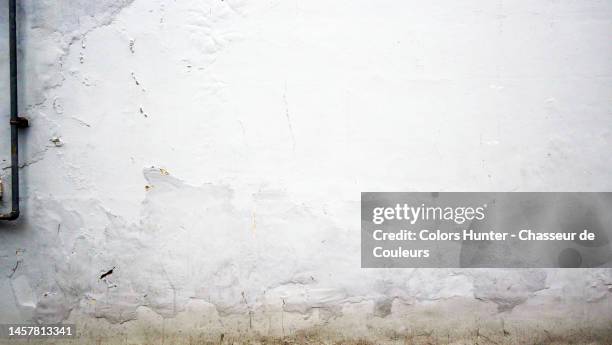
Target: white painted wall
point(213, 152)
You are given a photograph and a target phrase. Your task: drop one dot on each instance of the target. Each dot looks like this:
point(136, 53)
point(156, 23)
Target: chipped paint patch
point(271, 118)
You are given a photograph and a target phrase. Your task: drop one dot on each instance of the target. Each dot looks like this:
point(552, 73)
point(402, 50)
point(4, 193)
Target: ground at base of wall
point(315, 337)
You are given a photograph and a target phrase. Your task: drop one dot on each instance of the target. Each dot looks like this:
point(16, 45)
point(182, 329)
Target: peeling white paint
point(22, 290)
point(211, 153)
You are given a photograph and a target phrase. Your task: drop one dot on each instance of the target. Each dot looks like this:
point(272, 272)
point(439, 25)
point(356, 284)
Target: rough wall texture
point(193, 168)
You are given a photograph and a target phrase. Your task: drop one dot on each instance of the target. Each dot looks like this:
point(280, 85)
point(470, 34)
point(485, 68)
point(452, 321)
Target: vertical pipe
point(15, 121)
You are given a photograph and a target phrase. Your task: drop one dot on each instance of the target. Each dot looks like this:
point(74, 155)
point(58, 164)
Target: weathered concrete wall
point(211, 153)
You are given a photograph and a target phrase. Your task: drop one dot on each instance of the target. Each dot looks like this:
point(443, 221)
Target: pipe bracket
point(20, 122)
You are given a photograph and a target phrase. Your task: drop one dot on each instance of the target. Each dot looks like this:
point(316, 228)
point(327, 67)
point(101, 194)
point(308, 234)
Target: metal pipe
point(15, 121)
